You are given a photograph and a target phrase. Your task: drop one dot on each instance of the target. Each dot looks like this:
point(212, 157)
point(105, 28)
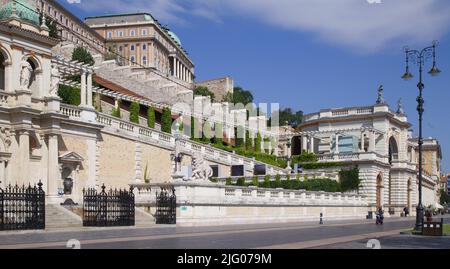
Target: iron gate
point(22, 208)
point(112, 208)
point(166, 207)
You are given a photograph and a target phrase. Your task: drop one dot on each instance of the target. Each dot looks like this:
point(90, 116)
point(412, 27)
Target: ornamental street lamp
point(288, 144)
point(420, 58)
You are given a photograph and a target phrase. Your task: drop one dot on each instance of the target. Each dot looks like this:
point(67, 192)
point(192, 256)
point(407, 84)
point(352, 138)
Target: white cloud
point(74, 1)
point(355, 24)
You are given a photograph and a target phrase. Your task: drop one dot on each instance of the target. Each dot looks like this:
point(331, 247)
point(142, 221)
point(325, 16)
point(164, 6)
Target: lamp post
point(420, 58)
point(288, 144)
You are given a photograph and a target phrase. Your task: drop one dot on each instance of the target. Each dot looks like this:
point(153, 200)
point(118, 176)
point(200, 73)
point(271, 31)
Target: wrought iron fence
point(112, 208)
point(22, 208)
point(166, 207)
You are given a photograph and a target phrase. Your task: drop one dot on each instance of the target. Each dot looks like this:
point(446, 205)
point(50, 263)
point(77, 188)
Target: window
point(144, 46)
point(132, 48)
point(120, 34)
point(144, 32)
point(144, 60)
point(120, 48)
point(132, 33)
point(132, 59)
point(109, 34)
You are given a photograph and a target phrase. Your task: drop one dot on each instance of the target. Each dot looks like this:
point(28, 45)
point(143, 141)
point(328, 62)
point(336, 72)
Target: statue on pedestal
point(380, 99)
point(400, 109)
point(25, 75)
point(200, 170)
point(55, 79)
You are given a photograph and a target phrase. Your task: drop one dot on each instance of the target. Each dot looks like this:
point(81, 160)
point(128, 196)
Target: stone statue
point(200, 170)
point(55, 78)
point(400, 109)
point(25, 75)
point(380, 99)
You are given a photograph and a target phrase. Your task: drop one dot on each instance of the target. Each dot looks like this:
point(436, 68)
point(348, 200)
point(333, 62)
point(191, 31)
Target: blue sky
point(310, 54)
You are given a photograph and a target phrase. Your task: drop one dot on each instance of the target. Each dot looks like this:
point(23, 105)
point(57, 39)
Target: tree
point(444, 198)
point(218, 136)
point(151, 117)
point(204, 91)
point(116, 111)
point(69, 95)
point(82, 55)
point(166, 120)
point(287, 114)
point(238, 133)
point(248, 141)
point(239, 96)
point(51, 25)
point(258, 141)
point(134, 112)
point(349, 179)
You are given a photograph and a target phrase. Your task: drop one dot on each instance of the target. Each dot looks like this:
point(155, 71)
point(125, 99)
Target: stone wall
point(220, 87)
point(201, 204)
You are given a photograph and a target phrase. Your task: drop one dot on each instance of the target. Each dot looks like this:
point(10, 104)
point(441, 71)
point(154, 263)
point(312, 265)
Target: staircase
point(57, 216)
point(145, 82)
point(143, 219)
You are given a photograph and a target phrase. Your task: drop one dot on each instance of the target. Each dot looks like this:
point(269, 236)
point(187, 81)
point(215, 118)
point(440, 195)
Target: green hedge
point(134, 112)
point(116, 111)
point(349, 179)
point(319, 184)
point(166, 121)
point(151, 117)
point(69, 95)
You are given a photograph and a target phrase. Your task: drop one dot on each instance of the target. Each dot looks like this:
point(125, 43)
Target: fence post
point(1, 209)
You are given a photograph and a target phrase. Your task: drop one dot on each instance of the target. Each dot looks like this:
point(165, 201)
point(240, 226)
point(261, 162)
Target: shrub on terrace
point(166, 121)
point(134, 112)
point(151, 117)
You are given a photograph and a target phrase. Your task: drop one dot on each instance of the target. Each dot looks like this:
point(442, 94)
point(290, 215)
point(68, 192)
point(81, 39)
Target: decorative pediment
point(71, 157)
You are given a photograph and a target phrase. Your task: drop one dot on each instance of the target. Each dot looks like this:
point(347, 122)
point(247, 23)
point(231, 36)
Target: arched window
point(2, 72)
point(132, 47)
point(144, 60)
point(144, 46)
point(393, 149)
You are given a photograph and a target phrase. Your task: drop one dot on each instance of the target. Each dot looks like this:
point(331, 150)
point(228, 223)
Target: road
point(338, 234)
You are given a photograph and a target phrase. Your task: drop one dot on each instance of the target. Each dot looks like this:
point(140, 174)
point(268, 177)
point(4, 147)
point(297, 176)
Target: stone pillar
point(304, 143)
point(83, 89)
point(8, 76)
point(336, 148)
point(89, 89)
point(413, 155)
point(371, 141)
point(311, 143)
point(174, 67)
point(3, 183)
point(361, 147)
point(53, 167)
point(24, 157)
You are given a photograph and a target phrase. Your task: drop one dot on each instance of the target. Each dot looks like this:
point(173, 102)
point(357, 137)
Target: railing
point(73, 112)
point(22, 208)
point(112, 208)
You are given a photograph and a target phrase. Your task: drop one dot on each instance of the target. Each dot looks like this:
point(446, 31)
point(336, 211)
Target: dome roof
point(175, 37)
point(24, 10)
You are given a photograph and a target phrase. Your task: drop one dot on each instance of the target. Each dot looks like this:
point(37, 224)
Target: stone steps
point(57, 216)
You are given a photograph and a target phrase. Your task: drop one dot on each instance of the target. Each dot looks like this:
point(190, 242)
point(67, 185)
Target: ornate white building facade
point(378, 141)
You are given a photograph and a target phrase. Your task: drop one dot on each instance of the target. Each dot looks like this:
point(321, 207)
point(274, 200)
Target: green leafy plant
point(151, 117)
point(204, 91)
point(255, 181)
point(82, 55)
point(240, 182)
point(134, 112)
point(69, 95)
point(146, 178)
point(258, 141)
point(266, 183)
point(248, 141)
point(349, 179)
point(116, 111)
point(228, 181)
point(166, 121)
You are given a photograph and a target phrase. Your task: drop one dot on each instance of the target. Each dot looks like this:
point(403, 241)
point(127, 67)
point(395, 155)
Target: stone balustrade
point(352, 156)
point(119, 126)
point(201, 204)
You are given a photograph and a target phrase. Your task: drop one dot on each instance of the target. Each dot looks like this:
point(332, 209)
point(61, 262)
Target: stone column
point(24, 157)
point(8, 77)
point(311, 143)
point(3, 183)
point(413, 155)
point(83, 89)
point(371, 141)
point(89, 89)
point(53, 167)
point(174, 67)
point(361, 147)
point(304, 143)
point(336, 148)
